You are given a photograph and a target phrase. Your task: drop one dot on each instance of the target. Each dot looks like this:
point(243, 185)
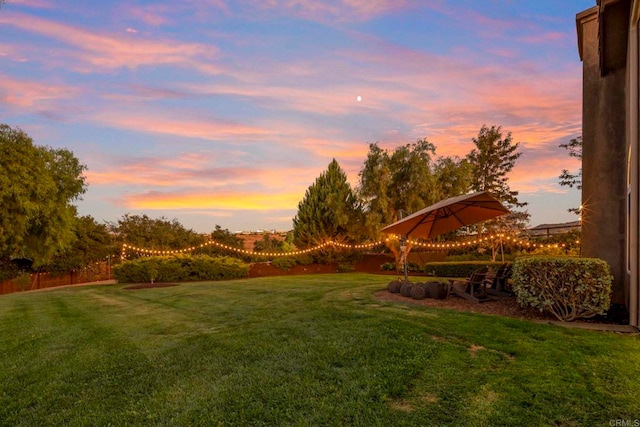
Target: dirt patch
point(149, 286)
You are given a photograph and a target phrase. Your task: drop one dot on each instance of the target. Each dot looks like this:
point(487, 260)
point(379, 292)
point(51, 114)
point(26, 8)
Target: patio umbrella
point(448, 215)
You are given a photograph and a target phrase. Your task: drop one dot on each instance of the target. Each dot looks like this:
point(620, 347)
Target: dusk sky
point(225, 112)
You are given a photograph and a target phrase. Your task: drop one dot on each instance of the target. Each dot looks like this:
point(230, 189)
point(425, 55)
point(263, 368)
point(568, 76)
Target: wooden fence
point(97, 272)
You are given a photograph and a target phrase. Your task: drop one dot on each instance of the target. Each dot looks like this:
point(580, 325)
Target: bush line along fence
point(100, 271)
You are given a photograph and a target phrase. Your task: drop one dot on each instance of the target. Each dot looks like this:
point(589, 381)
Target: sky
point(221, 112)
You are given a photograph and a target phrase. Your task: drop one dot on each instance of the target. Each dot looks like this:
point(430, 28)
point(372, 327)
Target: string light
point(433, 246)
point(150, 252)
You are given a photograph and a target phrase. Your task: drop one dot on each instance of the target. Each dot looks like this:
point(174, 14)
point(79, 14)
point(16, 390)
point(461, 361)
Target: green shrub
point(304, 259)
point(472, 256)
point(8, 269)
point(346, 268)
point(568, 288)
point(284, 262)
point(414, 267)
point(458, 269)
point(388, 266)
point(411, 267)
point(179, 268)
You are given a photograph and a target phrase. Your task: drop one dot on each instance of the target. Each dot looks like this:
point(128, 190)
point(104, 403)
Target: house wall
point(604, 188)
point(633, 164)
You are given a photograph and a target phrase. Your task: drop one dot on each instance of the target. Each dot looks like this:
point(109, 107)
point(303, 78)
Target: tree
point(492, 159)
point(158, 234)
point(390, 182)
point(407, 180)
point(268, 244)
point(224, 237)
point(570, 179)
point(328, 211)
point(453, 177)
point(37, 187)
point(92, 243)
point(375, 190)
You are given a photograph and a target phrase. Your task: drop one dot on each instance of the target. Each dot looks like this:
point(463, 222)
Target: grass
point(301, 350)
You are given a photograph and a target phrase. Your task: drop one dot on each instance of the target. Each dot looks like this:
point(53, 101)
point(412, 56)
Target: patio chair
point(473, 288)
point(497, 282)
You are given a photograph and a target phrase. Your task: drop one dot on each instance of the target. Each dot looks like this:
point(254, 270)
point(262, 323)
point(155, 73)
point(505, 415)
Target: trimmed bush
point(388, 266)
point(405, 289)
point(394, 286)
point(179, 268)
point(284, 262)
point(418, 291)
point(412, 267)
point(458, 269)
point(568, 288)
point(346, 268)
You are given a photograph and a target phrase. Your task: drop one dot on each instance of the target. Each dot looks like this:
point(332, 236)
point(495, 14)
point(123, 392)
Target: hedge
point(180, 268)
point(568, 288)
point(458, 269)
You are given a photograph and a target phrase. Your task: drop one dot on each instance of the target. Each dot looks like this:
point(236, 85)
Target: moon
point(358, 98)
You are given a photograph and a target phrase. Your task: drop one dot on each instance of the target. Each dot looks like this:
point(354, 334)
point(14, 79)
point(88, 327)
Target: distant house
point(609, 47)
point(548, 230)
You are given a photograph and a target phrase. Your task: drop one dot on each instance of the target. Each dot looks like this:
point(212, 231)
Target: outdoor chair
point(497, 282)
point(473, 288)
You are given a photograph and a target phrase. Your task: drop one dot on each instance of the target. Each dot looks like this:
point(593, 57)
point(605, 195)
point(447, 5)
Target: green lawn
point(306, 350)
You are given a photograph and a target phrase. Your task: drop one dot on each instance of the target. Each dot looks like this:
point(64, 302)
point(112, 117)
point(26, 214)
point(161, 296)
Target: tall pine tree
point(329, 211)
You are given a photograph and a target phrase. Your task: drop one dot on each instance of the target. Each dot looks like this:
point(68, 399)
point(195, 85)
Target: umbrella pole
point(403, 248)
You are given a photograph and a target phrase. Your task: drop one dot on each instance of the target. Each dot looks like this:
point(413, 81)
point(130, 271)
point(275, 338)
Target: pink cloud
point(331, 10)
point(152, 15)
point(182, 172)
point(29, 94)
point(208, 128)
point(548, 37)
point(197, 171)
point(35, 4)
point(94, 51)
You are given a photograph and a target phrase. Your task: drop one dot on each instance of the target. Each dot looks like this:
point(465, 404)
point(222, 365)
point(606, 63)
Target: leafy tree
point(407, 180)
point(375, 190)
point(329, 211)
point(159, 234)
point(492, 159)
point(453, 177)
point(401, 180)
point(225, 237)
point(570, 179)
point(268, 244)
point(37, 187)
point(92, 243)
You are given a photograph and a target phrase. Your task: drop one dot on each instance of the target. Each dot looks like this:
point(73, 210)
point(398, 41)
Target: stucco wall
point(603, 166)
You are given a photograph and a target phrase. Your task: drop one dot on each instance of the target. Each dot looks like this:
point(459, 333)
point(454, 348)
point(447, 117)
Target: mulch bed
point(370, 263)
point(507, 307)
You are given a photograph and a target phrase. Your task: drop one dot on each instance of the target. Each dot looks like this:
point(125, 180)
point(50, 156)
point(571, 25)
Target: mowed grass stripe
point(311, 350)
